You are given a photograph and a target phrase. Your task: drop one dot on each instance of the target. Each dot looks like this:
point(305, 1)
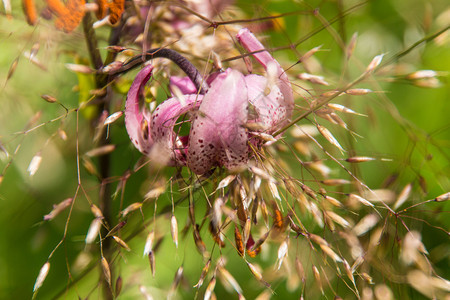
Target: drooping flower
point(218, 134)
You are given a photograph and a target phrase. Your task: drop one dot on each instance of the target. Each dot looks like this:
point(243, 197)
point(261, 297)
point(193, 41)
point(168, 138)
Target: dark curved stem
point(174, 56)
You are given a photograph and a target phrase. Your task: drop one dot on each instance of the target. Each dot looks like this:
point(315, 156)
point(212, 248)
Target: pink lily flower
point(218, 135)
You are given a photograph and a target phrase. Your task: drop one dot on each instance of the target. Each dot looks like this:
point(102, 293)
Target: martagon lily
point(219, 111)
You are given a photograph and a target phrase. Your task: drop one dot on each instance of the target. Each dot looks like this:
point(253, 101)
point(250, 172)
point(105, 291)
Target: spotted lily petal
point(137, 121)
point(251, 44)
point(217, 134)
point(172, 146)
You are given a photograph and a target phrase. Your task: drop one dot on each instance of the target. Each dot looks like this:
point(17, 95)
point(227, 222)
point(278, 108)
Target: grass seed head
point(210, 288)
point(149, 243)
point(43, 272)
point(94, 230)
point(329, 137)
point(34, 164)
point(174, 230)
point(58, 208)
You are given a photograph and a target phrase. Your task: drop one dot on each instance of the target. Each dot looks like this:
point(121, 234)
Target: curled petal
point(185, 84)
point(251, 44)
point(268, 108)
point(138, 122)
point(172, 146)
point(217, 134)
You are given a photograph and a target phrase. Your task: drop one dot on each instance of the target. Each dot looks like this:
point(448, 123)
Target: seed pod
point(343, 109)
point(225, 182)
point(100, 151)
point(210, 288)
point(112, 118)
point(215, 232)
point(112, 67)
point(83, 69)
point(116, 228)
point(260, 241)
point(264, 211)
point(349, 271)
point(317, 239)
point(360, 199)
point(274, 190)
point(317, 277)
point(308, 191)
point(421, 74)
point(151, 260)
point(351, 46)
point(12, 68)
point(357, 263)
point(238, 241)
point(328, 251)
point(49, 98)
point(130, 208)
point(261, 173)
point(155, 193)
point(313, 78)
point(106, 270)
point(443, 197)
point(246, 230)
point(278, 221)
point(374, 63)
point(358, 92)
point(317, 214)
point(257, 274)
point(121, 243)
point(367, 278)
point(304, 131)
point(145, 292)
point(176, 281)
point(217, 61)
point(253, 253)
point(149, 243)
point(334, 182)
point(198, 241)
point(338, 219)
point(229, 279)
point(366, 223)
point(333, 201)
point(96, 211)
point(203, 274)
point(118, 286)
point(329, 137)
point(300, 270)
point(174, 230)
point(403, 196)
point(359, 159)
point(282, 253)
point(309, 53)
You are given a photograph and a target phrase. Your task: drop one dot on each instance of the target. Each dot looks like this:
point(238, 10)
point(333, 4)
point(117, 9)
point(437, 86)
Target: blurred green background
point(407, 124)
